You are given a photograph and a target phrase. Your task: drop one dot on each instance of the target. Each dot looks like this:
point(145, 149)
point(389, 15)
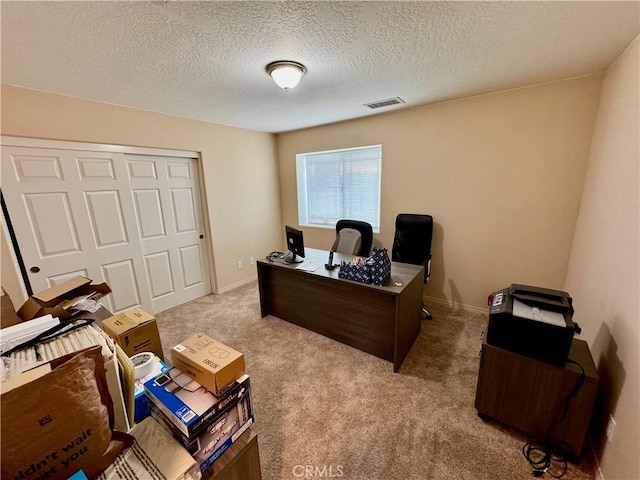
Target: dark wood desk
point(381, 320)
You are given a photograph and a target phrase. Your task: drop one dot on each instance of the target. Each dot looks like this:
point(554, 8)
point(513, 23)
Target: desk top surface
point(401, 273)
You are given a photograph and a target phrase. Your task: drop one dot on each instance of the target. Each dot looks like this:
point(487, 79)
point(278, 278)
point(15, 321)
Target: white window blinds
point(338, 184)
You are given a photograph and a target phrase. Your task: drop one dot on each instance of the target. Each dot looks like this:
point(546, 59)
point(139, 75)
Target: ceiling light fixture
point(285, 73)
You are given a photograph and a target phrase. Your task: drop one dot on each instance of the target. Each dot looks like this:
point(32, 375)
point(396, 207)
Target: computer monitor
point(295, 244)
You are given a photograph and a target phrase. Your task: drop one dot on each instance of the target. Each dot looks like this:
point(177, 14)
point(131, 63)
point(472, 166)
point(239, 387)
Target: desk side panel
point(263, 288)
point(409, 314)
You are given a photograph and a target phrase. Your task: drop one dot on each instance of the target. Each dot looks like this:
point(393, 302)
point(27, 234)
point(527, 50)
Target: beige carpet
point(326, 410)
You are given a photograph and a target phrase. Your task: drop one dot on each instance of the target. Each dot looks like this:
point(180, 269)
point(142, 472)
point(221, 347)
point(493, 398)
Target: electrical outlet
point(252, 260)
point(240, 265)
point(610, 427)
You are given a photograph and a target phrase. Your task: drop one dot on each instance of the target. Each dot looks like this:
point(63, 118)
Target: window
point(339, 184)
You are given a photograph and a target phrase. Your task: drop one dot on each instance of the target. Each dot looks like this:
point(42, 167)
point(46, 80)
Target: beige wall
point(501, 174)
point(604, 272)
point(239, 166)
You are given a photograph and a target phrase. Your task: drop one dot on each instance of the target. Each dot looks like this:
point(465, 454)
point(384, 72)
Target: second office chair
point(353, 237)
point(412, 243)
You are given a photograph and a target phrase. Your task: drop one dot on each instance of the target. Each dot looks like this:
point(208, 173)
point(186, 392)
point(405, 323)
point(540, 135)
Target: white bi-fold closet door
point(129, 216)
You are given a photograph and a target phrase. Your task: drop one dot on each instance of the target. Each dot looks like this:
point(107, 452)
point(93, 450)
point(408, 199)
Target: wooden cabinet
point(240, 462)
point(530, 395)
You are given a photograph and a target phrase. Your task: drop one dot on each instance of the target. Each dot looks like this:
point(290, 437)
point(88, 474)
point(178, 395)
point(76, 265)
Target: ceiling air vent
point(384, 103)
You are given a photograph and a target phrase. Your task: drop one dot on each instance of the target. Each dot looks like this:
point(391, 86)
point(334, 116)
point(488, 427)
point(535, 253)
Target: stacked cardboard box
point(136, 331)
point(205, 399)
point(136, 334)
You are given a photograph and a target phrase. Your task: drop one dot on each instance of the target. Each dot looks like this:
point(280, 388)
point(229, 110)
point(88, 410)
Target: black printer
point(532, 321)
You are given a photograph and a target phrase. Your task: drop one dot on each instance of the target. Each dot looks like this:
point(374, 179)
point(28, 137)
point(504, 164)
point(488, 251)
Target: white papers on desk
point(308, 266)
point(534, 313)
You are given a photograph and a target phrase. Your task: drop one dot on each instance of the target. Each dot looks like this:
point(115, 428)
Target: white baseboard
point(233, 286)
point(471, 308)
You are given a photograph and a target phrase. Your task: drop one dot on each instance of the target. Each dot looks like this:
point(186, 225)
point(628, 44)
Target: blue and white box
point(187, 404)
point(141, 403)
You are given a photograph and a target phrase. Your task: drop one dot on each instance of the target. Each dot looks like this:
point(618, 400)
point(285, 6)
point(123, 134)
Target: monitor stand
point(291, 258)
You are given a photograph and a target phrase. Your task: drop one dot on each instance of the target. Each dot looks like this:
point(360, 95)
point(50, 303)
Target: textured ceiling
point(205, 60)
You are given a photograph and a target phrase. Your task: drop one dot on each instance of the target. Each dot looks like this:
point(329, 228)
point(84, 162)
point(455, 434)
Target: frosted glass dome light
point(285, 73)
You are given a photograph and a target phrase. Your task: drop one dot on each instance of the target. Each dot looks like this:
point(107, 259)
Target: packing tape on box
point(143, 364)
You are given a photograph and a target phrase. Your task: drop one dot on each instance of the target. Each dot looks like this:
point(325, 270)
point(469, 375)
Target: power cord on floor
point(543, 461)
point(541, 457)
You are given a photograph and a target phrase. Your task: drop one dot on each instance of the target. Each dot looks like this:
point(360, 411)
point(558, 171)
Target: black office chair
point(412, 243)
point(349, 242)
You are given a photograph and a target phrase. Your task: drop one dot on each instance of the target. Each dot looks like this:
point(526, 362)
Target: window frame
point(302, 193)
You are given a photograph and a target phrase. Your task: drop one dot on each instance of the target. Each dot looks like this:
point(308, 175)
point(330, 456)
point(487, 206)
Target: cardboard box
point(78, 339)
point(211, 363)
point(48, 301)
point(187, 404)
point(8, 315)
point(136, 331)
